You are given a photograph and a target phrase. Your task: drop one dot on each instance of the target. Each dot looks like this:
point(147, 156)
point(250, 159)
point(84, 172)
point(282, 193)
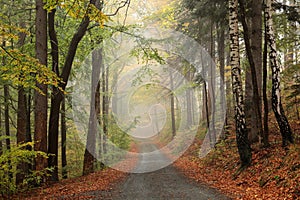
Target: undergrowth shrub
point(10, 159)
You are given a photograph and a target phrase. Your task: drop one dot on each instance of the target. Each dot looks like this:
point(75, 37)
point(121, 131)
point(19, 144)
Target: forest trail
point(166, 183)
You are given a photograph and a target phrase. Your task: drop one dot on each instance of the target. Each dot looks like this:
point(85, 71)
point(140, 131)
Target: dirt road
point(166, 183)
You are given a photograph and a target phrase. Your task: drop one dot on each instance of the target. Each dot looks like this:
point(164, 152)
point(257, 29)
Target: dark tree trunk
point(23, 168)
point(6, 108)
point(6, 115)
point(21, 133)
point(6, 122)
point(28, 119)
point(256, 97)
point(41, 104)
point(265, 136)
point(54, 112)
point(57, 95)
point(285, 129)
point(63, 139)
point(53, 42)
point(53, 133)
point(255, 36)
point(206, 109)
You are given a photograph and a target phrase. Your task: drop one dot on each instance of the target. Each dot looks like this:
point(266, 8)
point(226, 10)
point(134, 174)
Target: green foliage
point(291, 76)
point(118, 136)
point(11, 158)
point(75, 151)
point(78, 10)
point(147, 53)
point(21, 69)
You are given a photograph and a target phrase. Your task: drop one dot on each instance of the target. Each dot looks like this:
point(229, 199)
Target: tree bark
point(63, 139)
point(41, 103)
point(21, 132)
point(28, 118)
point(277, 107)
point(55, 105)
point(255, 36)
point(6, 116)
point(23, 168)
point(172, 105)
point(58, 96)
point(265, 92)
point(241, 131)
point(211, 86)
point(188, 100)
point(221, 53)
point(88, 164)
point(6, 122)
point(256, 124)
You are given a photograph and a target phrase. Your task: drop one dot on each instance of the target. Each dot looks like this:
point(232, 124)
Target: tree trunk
point(57, 95)
point(63, 139)
point(89, 154)
point(21, 133)
point(55, 104)
point(211, 87)
point(256, 124)
point(221, 53)
point(6, 108)
point(23, 168)
point(104, 107)
point(265, 95)
point(205, 97)
point(172, 105)
point(101, 165)
point(229, 100)
point(282, 121)
point(255, 33)
point(6, 116)
point(188, 100)
point(28, 118)
point(41, 104)
point(6, 122)
point(241, 131)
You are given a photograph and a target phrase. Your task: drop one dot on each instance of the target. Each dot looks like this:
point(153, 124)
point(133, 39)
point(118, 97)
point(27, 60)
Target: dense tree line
point(205, 20)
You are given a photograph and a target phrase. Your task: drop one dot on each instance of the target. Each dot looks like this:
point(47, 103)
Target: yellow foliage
point(23, 70)
point(98, 16)
point(78, 10)
point(9, 32)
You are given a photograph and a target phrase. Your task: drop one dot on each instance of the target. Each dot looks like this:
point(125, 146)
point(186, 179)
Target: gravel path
point(163, 184)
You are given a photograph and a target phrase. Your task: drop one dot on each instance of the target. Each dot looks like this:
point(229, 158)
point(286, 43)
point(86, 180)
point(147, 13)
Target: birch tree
point(285, 129)
point(241, 131)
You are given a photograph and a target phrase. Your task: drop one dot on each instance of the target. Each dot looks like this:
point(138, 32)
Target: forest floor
point(166, 183)
point(274, 174)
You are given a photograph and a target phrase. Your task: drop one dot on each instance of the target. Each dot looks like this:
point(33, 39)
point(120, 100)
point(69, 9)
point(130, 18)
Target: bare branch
point(124, 3)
